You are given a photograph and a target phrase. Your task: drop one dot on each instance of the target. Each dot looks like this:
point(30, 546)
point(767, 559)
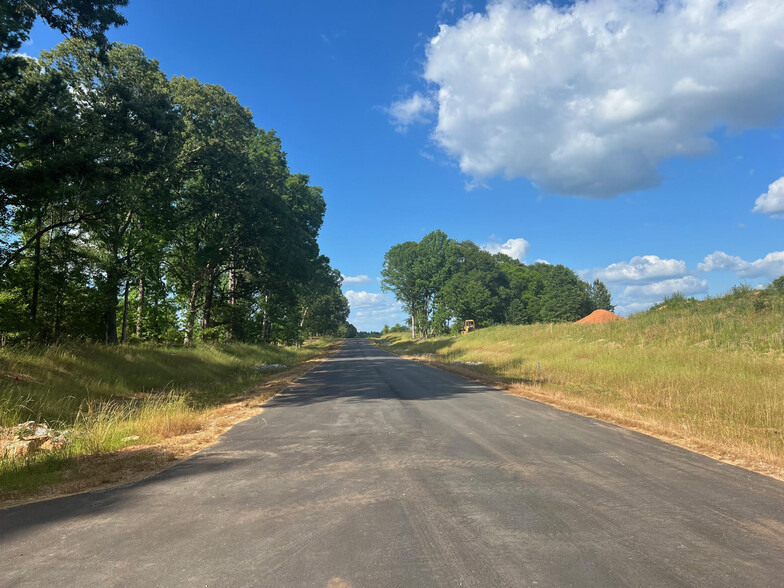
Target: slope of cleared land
point(706, 375)
point(132, 410)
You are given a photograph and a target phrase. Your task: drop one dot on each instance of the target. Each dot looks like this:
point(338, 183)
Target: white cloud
point(655, 291)
point(772, 202)
point(362, 299)
point(361, 279)
point(718, 261)
point(644, 280)
point(643, 268)
point(372, 310)
point(770, 266)
point(412, 110)
point(587, 99)
point(514, 248)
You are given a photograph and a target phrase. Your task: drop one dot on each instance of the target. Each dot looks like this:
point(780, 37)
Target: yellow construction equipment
point(468, 326)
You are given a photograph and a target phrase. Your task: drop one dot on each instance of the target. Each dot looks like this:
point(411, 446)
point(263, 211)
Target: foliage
point(86, 19)
point(441, 283)
point(137, 207)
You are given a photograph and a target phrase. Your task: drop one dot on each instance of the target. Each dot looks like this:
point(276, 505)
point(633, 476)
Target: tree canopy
point(441, 283)
point(83, 19)
point(134, 206)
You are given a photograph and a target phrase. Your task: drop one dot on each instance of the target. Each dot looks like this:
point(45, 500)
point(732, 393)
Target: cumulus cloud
point(587, 99)
point(362, 299)
point(411, 110)
point(770, 266)
point(514, 248)
point(361, 279)
point(646, 268)
point(372, 310)
point(655, 291)
point(772, 201)
point(644, 280)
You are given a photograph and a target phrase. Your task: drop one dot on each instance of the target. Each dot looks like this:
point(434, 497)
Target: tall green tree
point(127, 131)
point(213, 165)
point(565, 297)
point(400, 276)
point(437, 260)
point(600, 296)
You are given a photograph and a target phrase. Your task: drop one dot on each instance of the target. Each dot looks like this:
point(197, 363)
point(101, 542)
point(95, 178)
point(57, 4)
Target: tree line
point(442, 282)
point(137, 206)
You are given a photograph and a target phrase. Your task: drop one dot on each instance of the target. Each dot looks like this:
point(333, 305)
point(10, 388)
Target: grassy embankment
point(135, 397)
point(705, 375)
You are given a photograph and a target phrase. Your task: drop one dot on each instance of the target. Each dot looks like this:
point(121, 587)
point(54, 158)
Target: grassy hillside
point(112, 397)
point(707, 374)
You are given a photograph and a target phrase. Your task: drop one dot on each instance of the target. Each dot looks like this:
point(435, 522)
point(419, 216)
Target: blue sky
point(626, 140)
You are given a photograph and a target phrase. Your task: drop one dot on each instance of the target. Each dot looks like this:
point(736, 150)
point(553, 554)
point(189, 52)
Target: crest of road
point(377, 471)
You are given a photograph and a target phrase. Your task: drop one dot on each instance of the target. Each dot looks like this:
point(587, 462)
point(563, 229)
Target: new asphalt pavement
point(376, 471)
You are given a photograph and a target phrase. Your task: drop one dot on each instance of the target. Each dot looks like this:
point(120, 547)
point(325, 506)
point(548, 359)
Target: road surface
point(376, 471)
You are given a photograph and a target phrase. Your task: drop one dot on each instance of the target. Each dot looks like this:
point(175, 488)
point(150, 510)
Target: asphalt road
point(376, 471)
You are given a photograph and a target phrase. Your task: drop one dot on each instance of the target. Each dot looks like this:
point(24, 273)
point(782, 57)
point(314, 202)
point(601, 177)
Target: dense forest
point(441, 282)
point(138, 206)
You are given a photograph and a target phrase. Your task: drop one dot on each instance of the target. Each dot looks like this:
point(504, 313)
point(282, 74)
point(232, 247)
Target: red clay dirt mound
point(599, 316)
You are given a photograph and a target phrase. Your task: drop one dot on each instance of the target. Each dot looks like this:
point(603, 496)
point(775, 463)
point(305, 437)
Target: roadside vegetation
point(441, 282)
point(158, 257)
point(108, 398)
point(706, 374)
point(135, 206)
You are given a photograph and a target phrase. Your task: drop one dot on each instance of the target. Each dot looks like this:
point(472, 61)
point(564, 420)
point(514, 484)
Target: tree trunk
point(140, 309)
point(124, 337)
point(36, 280)
point(413, 329)
point(426, 329)
point(265, 319)
point(232, 301)
point(58, 314)
point(110, 306)
point(190, 315)
point(206, 313)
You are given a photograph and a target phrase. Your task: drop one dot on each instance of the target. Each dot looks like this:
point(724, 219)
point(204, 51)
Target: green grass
point(56, 384)
point(111, 397)
point(710, 373)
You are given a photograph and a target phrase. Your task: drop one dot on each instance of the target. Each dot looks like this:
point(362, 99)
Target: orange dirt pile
point(599, 316)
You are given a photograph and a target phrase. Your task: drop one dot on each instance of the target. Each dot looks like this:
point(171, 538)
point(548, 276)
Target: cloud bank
point(589, 99)
point(770, 266)
point(644, 280)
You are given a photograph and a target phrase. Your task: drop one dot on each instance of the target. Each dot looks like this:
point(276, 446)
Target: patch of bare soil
point(131, 464)
point(599, 316)
point(557, 399)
